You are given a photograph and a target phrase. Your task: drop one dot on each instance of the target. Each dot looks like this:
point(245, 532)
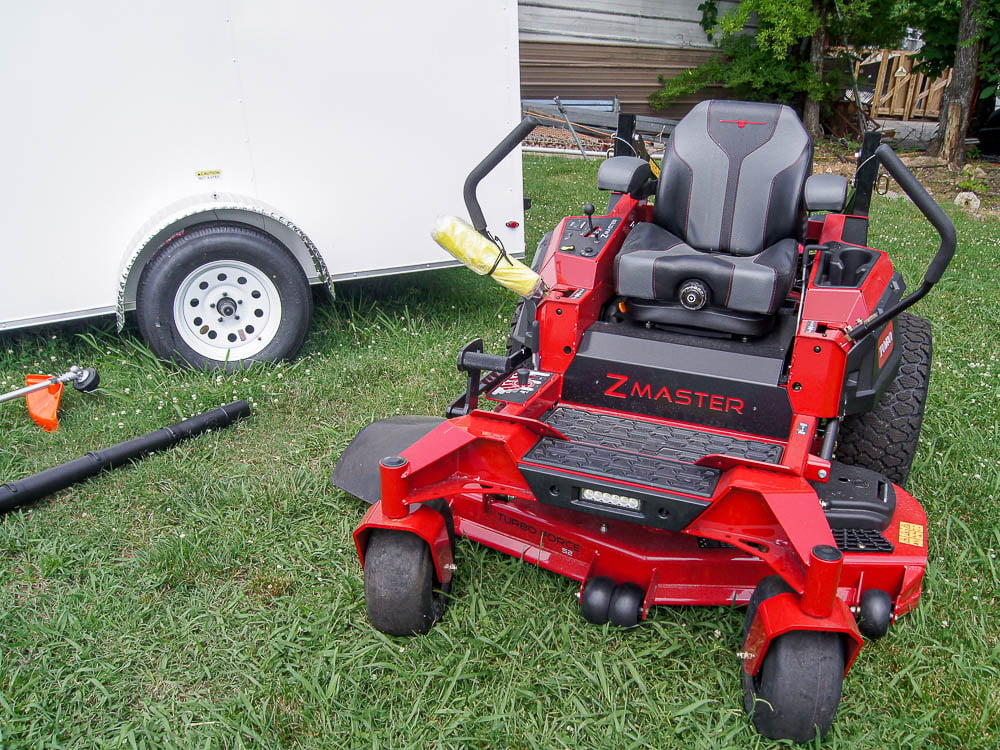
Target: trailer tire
point(222, 296)
point(885, 438)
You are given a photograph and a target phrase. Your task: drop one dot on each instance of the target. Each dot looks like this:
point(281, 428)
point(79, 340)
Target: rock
point(967, 200)
point(921, 161)
point(971, 170)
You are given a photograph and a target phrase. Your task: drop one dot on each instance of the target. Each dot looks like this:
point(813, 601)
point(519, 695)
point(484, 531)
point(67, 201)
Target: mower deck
point(584, 491)
point(679, 568)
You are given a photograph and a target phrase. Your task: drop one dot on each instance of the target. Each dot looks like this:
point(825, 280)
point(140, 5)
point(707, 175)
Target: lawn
point(210, 596)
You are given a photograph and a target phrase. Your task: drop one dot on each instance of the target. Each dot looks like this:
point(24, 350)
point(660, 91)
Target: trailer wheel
point(885, 438)
point(796, 693)
point(221, 296)
point(400, 587)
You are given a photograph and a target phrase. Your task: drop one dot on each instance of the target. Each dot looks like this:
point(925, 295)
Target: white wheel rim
point(227, 310)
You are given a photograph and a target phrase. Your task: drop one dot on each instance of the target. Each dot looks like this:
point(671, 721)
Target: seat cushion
point(653, 263)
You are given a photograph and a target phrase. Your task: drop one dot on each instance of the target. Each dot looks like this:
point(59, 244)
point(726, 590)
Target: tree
point(950, 142)
point(943, 23)
point(784, 60)
point(817, 51)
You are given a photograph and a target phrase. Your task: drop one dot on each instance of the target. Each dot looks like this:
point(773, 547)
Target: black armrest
point(625, 174)
point(826, 192)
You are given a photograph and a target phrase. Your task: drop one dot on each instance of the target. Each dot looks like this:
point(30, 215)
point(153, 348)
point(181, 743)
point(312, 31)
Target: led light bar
point(608, 498)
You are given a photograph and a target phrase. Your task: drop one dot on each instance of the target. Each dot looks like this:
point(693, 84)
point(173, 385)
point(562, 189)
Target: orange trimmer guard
point(43, 404)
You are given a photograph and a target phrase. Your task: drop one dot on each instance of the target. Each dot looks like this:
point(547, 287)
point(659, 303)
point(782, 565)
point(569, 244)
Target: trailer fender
point(357, 471)
point(432, 522)
point(782, 614)
point(213, 207)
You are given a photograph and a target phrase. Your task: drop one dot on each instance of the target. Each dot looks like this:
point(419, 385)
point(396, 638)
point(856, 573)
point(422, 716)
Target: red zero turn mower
point(709, 399)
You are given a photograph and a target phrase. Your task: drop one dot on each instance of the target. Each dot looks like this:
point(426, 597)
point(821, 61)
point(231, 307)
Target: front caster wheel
point(401, 593)
point(874, 614)
point(223, 295)
point(796, 693)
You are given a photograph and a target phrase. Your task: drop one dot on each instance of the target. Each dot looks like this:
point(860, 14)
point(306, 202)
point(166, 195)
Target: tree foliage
point(938, 20)
point(773, 64)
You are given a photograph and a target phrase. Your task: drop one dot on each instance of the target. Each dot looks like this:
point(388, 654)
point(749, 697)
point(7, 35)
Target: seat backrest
point(733, 175)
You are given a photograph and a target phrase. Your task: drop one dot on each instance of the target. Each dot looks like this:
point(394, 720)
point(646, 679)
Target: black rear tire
point(401, 593)
point(885, 439)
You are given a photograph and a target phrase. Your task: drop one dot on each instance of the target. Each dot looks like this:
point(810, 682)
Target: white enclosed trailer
point(202, 161)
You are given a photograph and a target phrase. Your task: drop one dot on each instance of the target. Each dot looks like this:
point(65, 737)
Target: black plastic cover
point(856, 498)
point(357, 470)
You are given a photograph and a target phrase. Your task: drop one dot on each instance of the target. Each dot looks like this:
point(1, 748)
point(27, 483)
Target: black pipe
point(830, 439)
point(62, 476)
point(487, 165)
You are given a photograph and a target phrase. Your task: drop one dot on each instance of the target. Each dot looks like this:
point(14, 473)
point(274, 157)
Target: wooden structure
point(590, 71)
point(898, 89)
point(601, 49)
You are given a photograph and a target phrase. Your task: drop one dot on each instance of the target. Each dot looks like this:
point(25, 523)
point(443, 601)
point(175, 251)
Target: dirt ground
point(979, 176)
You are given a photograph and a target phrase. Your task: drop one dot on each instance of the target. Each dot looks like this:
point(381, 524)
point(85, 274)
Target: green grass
point(210, 596)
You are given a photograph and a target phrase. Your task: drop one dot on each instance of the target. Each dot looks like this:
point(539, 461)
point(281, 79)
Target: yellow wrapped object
point(482, 256)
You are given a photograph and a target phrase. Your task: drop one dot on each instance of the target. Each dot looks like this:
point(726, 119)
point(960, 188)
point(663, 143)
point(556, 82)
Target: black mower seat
point(722, 249)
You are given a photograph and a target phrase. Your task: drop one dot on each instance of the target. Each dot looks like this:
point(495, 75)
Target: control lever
point(588, 209)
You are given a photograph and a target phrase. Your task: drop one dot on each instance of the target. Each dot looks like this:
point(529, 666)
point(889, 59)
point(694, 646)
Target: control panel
point(587, 236)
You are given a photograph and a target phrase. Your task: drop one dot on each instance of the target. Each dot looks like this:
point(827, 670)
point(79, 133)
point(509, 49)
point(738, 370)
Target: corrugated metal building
point(599, 49)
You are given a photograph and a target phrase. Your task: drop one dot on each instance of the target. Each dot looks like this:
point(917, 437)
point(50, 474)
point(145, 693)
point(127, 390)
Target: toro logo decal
point(885, 346)
point(742, 123)
point(626, 387)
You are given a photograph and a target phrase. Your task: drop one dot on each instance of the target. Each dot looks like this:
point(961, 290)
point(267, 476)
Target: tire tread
point(885, 438)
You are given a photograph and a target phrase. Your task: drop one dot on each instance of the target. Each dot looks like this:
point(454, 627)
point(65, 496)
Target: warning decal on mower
point(911, 533)
point(513, 392)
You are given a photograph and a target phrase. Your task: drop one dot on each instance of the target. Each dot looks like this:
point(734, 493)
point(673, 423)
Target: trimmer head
point(44, 392)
